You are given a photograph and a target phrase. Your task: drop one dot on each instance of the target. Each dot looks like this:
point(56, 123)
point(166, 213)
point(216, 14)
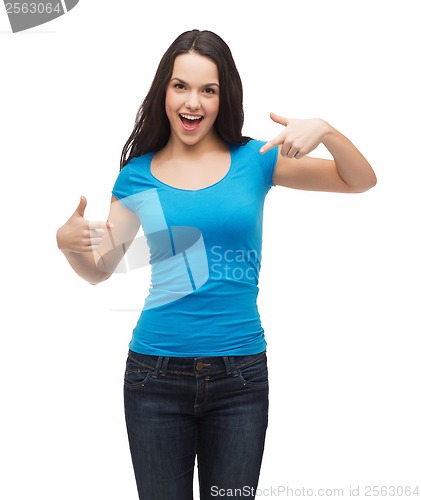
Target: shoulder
point(138, 161)
point(136, 168)
point(251, 146)
point(253, 161)
point(133, 177)
point(251, 150)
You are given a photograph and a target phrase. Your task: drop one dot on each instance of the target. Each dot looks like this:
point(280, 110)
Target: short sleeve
point(270, 164)
point(123, 187)
point(267, 162)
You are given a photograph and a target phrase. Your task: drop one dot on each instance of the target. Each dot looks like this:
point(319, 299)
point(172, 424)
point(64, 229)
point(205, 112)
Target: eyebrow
point(185, 83)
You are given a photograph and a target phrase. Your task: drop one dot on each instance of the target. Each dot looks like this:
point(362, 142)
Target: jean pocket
point(255, 374)
point(136, 374)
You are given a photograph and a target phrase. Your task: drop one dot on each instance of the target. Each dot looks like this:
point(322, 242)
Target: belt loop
point(157, 367)
point(164, 366)
point(230, 365)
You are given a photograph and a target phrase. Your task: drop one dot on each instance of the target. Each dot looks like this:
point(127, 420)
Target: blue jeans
point(212, 407)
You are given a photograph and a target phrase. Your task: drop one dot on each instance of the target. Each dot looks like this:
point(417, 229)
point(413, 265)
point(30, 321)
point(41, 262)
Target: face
point(192, 99)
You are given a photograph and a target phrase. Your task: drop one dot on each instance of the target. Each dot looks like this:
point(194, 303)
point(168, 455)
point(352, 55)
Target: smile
point(190, 122)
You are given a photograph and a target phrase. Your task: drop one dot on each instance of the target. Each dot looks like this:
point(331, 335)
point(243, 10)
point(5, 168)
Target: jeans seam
point(140, 363)
point(259, 356)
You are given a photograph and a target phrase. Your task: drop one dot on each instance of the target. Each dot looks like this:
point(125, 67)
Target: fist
point(80, 235)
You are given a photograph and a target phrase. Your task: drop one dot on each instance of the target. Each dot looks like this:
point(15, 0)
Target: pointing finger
point(276, 141)
point(279, 119)
point(267, 147)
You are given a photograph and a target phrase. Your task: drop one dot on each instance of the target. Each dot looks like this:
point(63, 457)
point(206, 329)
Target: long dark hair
point(152, 128)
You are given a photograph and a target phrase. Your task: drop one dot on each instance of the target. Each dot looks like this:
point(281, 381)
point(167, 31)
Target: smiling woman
point(152, 130)
point(191, 101)
point(196, 379)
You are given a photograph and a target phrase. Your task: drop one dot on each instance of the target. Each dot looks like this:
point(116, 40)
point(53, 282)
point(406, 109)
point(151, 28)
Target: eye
point(209, 91)
point(179, 86)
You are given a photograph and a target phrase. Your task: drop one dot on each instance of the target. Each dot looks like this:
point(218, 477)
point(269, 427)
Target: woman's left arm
point(348, 172)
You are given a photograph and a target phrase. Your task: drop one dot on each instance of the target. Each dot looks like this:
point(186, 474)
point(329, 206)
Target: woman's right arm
point(94, 249)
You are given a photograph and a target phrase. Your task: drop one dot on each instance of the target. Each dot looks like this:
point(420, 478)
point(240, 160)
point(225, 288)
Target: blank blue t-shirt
point(205, 250)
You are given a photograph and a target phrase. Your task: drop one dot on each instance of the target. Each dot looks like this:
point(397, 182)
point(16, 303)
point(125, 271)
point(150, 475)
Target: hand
point(79, 235)
point(299, 137)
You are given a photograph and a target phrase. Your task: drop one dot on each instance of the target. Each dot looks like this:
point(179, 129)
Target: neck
point(176, 148)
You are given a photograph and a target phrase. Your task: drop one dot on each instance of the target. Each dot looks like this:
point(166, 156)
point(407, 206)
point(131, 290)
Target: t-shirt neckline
point(216, 184)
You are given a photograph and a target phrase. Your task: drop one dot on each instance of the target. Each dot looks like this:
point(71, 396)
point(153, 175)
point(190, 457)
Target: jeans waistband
point(193, 366)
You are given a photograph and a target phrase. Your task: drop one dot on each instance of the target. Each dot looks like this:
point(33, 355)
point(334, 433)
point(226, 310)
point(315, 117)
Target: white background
point(339, 291)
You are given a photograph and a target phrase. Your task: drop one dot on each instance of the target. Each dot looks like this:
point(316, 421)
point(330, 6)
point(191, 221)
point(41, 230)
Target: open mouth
point(190, 122)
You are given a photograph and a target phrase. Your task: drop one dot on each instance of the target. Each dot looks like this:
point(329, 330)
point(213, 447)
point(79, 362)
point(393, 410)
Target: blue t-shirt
point(205, 250)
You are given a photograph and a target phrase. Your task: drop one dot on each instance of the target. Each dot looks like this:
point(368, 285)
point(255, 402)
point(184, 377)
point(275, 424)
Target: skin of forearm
point(85, 265)
point(351, 165)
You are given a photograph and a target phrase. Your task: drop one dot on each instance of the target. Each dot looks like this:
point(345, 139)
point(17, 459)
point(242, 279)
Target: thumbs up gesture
point(80, 235)
point(299, 137)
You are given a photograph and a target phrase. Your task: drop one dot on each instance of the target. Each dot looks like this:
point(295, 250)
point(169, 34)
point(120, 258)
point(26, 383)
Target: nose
point(193, 101)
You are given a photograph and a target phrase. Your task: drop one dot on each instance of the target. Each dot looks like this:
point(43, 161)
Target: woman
point(196, 380)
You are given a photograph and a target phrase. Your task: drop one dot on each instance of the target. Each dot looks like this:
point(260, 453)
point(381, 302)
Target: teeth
point(191, 117)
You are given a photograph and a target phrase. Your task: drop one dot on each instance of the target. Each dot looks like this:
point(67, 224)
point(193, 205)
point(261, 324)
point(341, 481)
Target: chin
point(190, 141)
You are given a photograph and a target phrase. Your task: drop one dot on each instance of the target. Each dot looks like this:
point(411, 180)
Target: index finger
point(270, 145)
point(276, 141)
point(267, 147)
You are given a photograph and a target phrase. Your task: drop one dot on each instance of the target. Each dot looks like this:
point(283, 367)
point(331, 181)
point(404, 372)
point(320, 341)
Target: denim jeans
point(215, 408)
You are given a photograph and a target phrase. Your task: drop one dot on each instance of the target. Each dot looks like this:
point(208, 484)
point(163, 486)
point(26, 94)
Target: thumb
point(80, 210)
point(279, 119)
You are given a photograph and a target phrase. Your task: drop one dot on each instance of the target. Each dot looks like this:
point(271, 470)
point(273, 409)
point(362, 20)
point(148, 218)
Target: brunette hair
point(152, 128)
